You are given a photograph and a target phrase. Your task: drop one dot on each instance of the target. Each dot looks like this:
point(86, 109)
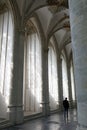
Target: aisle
point(53, 122)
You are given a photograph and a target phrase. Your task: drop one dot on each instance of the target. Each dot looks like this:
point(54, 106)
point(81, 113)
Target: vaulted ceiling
point(53, 17)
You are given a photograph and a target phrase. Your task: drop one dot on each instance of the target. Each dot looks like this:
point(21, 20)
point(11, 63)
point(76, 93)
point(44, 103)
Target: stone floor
point(53, 122)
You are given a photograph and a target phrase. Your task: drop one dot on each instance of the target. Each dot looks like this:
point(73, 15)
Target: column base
point(60, 107)
point(46, 109)
point(80, 127)
point(19, 115)
point(15, 114)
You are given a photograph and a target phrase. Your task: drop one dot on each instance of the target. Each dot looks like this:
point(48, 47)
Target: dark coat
point(66, 104)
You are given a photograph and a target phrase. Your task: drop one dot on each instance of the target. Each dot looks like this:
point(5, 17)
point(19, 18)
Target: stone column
point(75, 103)
point(69, 84)
point(16, 96)
point(45, 85)
point(78, 19)
point(60, 84)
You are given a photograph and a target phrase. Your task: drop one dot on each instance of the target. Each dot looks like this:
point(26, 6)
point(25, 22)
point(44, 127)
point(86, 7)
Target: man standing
point(66, 107)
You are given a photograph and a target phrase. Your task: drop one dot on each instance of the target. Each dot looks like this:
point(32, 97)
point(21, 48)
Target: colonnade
point(15, 108)
point(16, 98)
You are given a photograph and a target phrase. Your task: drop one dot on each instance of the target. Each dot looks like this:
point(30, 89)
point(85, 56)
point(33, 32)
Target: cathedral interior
point(43, 60)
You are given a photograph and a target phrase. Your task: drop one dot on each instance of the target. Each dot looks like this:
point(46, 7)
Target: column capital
point(59, 60)
point(46, 50)
point(68, 64)
point(21, 30)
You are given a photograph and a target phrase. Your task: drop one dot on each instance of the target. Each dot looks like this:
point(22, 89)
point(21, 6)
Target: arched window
point(64, 79)
point(53, 78)
point(32, 74)
point(6, 57)
point(6, 49)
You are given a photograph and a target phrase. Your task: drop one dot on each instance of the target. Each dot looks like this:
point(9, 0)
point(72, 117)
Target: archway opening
point(6, 57)
point(32, 72)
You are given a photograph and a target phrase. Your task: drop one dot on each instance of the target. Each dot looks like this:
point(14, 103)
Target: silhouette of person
point(66, 107)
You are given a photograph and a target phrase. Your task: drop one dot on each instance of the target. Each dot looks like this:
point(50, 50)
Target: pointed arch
point(32, 70)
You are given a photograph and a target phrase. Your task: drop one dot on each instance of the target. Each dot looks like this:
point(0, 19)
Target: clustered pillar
point(45, 85)
point(78, 19)
point(69, 84)
point(60, 83)
point(16, 97)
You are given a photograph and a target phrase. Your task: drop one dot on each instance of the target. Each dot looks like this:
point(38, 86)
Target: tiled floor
point(53, 122)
